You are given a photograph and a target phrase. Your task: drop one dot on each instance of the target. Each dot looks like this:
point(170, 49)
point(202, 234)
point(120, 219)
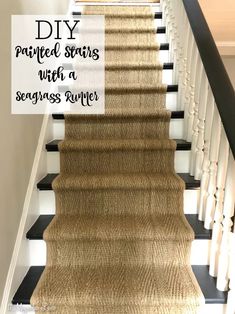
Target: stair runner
point(119, 242)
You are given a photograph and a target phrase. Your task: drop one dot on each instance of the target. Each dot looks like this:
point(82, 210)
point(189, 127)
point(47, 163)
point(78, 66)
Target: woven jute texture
point(119, 242)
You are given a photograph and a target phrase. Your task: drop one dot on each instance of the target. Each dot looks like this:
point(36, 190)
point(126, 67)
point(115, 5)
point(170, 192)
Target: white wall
point(18, 134)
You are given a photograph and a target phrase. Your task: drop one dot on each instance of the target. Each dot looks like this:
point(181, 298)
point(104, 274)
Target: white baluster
point(198, 87)
point(163, 8)
point(218, 218)
point(186, 85)
point(179, 18)
point(228, 212)
point(170, 25)
point(214, 153)
point(193, 77)
point(182, 68)
point(176, 49)
point(165, 19)
point(189, 110)
point(231, 293)
point(206, 163)
point(201, 126)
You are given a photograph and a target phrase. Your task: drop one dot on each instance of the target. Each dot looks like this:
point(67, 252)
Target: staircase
point(31, 258)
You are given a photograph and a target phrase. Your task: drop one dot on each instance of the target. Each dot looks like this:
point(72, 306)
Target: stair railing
point(207, 97)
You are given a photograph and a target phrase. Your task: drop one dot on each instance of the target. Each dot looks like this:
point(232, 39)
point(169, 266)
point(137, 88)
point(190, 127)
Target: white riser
point(47, 202)
point(161, 38)
point(205, 309)
point(182, 161)
point(164, 56)
point(199, 252)
point(167, 77)
point(176, 129)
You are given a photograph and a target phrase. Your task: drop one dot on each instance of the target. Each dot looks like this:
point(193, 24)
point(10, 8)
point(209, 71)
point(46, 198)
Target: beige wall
point(220, 17)
point(221, 20)
point(18, 134)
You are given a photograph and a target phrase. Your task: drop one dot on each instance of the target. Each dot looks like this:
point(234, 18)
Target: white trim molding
point(226, 48)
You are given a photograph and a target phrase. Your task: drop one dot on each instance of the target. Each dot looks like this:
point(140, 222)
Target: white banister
point(206, 162)
point(182, 68)
point(200, 144)
point(189, 97)
point(179, 22)
point(198, 125)
point(213, 160)
point(218, 218)
point(228, 213)
point(194, 72)
point(231, 293)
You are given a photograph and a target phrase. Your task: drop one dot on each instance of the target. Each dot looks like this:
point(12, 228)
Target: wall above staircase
point(221, 20)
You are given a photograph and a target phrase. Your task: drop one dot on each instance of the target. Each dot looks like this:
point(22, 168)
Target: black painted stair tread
point(174, 115)
point(181, 145)
point(172, 88)
point(168, 66)
point(208, 285)
point(45, 183)
point(206, 282)
point(164, 46)
point(161, 30)
point(37, 229)
point(198, 227)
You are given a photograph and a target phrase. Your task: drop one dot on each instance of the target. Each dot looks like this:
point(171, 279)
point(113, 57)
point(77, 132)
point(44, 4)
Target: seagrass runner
point(119, 242)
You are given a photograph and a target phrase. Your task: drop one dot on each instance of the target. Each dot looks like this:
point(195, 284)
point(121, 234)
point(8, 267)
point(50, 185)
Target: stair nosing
point(45, 184)
point(28, 284)
point(174, 115)
point(182, 145)
point(37, 229)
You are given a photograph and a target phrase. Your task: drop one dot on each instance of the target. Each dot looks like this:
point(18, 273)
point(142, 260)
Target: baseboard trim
point(226, 48)
point(19, 261)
